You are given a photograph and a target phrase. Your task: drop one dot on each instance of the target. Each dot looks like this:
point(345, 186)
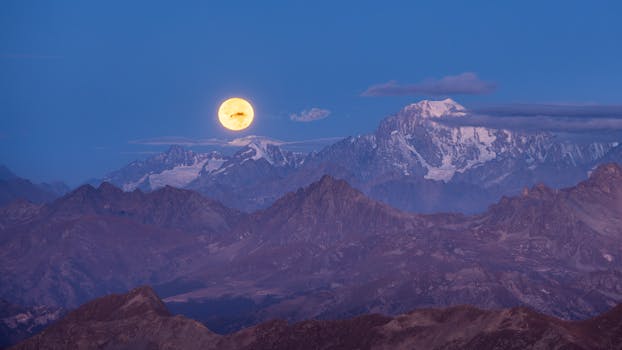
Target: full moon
point(236, 114)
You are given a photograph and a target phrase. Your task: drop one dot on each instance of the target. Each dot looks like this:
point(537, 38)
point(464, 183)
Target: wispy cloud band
point(561, 110)
point(539, 117)
point(237, 142)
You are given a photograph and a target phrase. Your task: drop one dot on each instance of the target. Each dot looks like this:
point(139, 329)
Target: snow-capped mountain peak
point(261, 151)
point(435, 109)
point(177, 155)
point(415, 142)
point(270, 152)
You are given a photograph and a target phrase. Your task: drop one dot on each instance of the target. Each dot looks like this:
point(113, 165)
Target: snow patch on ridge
point(477, 141)
point(179, 176)
point(442, 173)
point(131, 186)
point(260, 152)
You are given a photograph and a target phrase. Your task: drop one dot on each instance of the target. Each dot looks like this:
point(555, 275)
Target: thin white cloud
point(309, 115)
point(237, 142)
point(243, 141)
point(560, 118)
point(179, 140)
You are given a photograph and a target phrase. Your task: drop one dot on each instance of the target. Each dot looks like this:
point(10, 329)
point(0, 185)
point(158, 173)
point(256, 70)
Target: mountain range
point(95, 241)
point(421, 159)
point(324, 251)
point(139, 320)
point(405, 218)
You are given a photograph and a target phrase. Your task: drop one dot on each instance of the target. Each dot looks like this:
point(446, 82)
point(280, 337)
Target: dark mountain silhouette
point(139, 320)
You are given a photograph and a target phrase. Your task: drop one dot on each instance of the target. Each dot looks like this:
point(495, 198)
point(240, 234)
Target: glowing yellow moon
point(236, 114)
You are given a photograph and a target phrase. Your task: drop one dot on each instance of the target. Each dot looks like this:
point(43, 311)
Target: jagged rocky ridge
point(95, 241)
point(325, 251)
point(13, 187)
point(139, 320)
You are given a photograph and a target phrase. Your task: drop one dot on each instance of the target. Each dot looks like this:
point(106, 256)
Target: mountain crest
point(142, 298)
point(177, 154)
point(606, 178)
point(84, 190)
point(435, 109)
point(270, 152)
point(329, 187)
point(138, 302)
point(607, 172)
point(106, 323)
point(328, 210)
point(108, 188)
point(89, 192)
point(540, 190)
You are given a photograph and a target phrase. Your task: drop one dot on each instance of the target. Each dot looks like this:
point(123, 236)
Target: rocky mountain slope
point(94, 241)
point(421, 159)
point(18, 323)
point(139, 320)
point(13, 187)
point(177, 167)
point(328, 251)
point(251, 178)
point(242, 180)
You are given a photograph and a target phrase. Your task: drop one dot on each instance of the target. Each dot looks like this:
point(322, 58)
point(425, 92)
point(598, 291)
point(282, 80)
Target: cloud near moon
point(237, 142)
point(310, 115)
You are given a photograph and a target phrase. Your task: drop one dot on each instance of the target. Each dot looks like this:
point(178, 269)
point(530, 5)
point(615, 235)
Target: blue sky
point(80, 80)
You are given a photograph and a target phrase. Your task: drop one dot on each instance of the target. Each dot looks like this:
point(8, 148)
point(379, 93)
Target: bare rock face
point(310, 214)
point(136, 320)
point(18, 323)
point(167, 207)
point(13, 187)
point(139, 320)
point(328, 251)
